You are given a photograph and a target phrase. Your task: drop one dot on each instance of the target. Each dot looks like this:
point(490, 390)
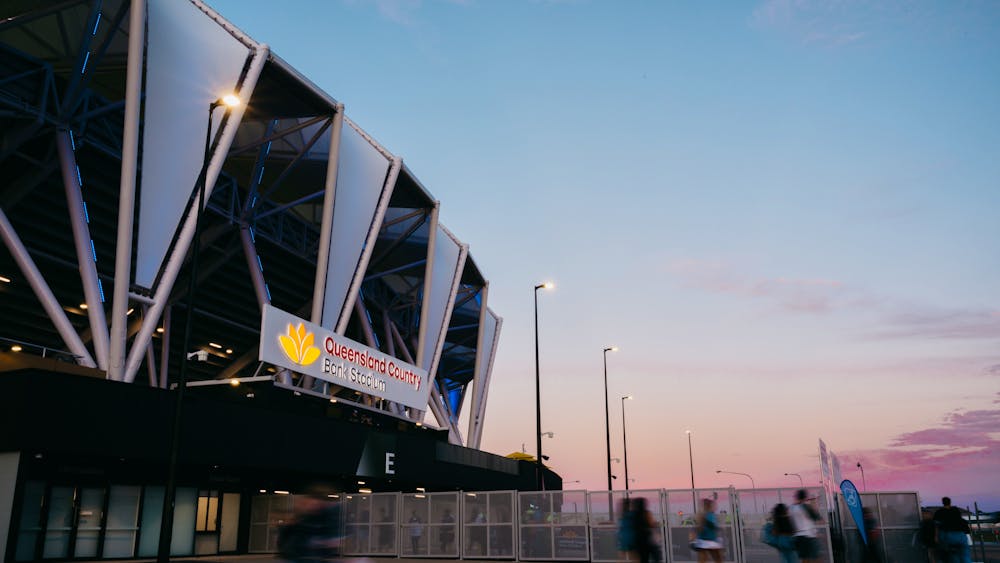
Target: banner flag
point(853, 501)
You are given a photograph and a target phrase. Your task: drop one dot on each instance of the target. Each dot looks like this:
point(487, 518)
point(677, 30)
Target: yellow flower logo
point(298, 345)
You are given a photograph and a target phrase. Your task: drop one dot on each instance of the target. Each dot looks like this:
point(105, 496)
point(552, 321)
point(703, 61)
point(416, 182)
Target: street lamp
point(694, 502)
point(625, 439)
point(752, 484)
point(801, 484)
point(167, 519)
point(538, 395)
point(607, 424)
point(864, 485)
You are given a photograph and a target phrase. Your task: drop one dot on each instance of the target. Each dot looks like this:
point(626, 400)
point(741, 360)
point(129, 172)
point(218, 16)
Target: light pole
point(607, 423)
point(538, 395)
point(752, 484)
point(694, 502)
point(625, 439)
point(864, 485)
point(169, 494)
point(801, 484)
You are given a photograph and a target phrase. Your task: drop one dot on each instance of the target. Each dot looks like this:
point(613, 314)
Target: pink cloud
point(816, 296)
point(806, 295)
point(958, 458)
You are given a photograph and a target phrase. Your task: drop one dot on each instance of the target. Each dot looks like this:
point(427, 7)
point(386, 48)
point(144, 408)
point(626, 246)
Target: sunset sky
point(785, 214)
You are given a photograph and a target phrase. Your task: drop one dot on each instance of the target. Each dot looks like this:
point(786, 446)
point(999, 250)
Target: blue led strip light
point(86, 213)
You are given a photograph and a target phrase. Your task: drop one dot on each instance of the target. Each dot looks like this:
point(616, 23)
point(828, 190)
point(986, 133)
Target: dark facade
point(82, 440)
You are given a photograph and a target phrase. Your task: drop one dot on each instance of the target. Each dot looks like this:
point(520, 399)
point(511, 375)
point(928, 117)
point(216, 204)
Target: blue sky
point(784, 212)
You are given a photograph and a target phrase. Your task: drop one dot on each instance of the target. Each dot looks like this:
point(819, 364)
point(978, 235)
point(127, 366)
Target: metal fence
point(583, 526)
point(897, 521)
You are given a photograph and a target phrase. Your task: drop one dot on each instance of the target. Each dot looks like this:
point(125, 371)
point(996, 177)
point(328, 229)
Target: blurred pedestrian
point(927, 535)
point(805, 517)
point(626, 531)
point(313, 533)
point(873, 553)
point(779, 533)
point(707, 541)
point(951, 533)
point(642, 523)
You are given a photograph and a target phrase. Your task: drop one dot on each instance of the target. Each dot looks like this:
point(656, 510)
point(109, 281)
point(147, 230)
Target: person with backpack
point(626, 531)
point(779, 533)
point(805, 517)
point(951, 533)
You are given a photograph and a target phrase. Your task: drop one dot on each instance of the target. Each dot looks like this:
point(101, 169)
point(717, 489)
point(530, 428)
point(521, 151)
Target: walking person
point(416, 531)
point(951, 531)
point(626, 531)
point(642, 524)
point(873, 553)
point(927, 536)
point(779, 533)
point(805, 517)
point(706, 541)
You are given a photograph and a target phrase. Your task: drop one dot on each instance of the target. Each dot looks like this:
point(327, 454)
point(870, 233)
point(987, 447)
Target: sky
point(783, 212)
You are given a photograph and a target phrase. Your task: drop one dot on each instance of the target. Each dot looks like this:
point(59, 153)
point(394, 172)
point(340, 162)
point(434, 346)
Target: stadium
point(200, 243)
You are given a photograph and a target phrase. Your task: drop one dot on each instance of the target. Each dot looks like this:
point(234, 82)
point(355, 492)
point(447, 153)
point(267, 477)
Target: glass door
point(90, 513)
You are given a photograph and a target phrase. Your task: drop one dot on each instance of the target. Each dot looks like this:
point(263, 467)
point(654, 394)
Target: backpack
point(626, 532)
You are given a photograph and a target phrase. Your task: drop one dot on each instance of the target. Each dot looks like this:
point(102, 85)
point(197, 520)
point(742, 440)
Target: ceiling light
point(4, 279)
point(281, 492)
point(365, 491)
point(420, 496)
point(235, 382)
point(333, 400)
point(333, 496)
point(130, 311)
point(262, 491)
point(159, 329)
point(361, 482)
point(421, 489)
point(229, 350)
point(216, 346)
point(16, 348)
point(83, 306)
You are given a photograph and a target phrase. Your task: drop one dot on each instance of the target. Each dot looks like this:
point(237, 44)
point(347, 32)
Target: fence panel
point(366, 529)
point(679, 506)
point(554, 526)
point(429, 525)
point(488, 529)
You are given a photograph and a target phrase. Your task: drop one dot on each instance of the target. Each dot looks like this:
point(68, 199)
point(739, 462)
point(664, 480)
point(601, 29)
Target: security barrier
point(583, 526)
point(369, 523)
point(429, 525)
point(554, 526)
point(897, 519)
point(488, 525)
point(754, 509)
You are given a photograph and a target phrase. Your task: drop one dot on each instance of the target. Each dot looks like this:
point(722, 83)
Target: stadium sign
point(303, 347)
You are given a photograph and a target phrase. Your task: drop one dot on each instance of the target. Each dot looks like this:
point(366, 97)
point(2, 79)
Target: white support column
point(176, 258)
point(485, 391)
point(44, 293)
point(323, 256)
point(126, 195)
point(86, 260)
point(441, 415)
point(425, 305)
point(151, 365)
point(253, 266)
point(436, 360)
point(164, 347)
point(477, 381)
point(366, 255)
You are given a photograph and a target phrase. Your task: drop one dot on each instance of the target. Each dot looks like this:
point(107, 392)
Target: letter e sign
point(390, 461)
